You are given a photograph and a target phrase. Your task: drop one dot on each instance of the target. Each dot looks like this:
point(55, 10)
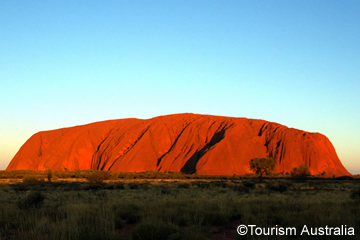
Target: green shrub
point(278, 186)
point(113, 186)
point(92, 186)
point(133, 185)
point(98, 177)
point(119, 221)
point(201, 184)
point(215, 218)
point(20, 187)
point(31, 200)
point(184, 185)
point(49, 175)
point(32, 179)
point(128, 212)
point(262, 166)
point(165, 190)
point(249, 184)
point(55, 214)
point(355, 194)
point(241, 189)
point(302, 171)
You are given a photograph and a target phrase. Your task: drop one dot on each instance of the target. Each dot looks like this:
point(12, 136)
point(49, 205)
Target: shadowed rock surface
point(189, 143)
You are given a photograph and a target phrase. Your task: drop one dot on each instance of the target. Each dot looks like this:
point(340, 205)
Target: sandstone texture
point(189, 143)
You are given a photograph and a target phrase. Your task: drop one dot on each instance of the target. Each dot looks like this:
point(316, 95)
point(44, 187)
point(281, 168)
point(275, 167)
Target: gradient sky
point(66, 63)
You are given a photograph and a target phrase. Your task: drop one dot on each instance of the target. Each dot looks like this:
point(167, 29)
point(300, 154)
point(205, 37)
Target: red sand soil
point(190, 143)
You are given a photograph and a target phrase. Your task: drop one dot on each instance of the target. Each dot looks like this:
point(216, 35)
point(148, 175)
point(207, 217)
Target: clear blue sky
point(65, 63)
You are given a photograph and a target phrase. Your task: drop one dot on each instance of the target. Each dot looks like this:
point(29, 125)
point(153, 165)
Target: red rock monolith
point(189, 143)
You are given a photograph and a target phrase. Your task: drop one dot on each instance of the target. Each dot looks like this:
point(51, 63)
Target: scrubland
point(69, 205)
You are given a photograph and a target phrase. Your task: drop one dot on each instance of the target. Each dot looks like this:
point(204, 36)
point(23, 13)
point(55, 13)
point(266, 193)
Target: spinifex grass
point(180, 209)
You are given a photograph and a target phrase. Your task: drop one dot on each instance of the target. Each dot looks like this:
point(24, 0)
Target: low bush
point(201, 184)
point(278, 186)
point(249, 184)
point(355, 194)
point(113, 186)
point(92, 186)
point(126, 212)
point(98, 177)
point(302, 171)
point(262, 166)
point(184, 185)
point(31, 200)
point(215, 217)
point(119, 221)
point(241, 189)
point(19, 187)
point(32, 179)
point(165, 190)
point(133, 185)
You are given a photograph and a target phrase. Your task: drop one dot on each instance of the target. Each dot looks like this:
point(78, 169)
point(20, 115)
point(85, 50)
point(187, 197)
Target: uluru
point(189, 143)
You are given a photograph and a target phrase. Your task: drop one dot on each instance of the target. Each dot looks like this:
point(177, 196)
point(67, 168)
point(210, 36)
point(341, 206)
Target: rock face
point(189, 143)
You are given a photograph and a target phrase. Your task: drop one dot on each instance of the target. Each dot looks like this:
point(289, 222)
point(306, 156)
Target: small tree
point(49, 175)
point(262, 166)
point(302, 171)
